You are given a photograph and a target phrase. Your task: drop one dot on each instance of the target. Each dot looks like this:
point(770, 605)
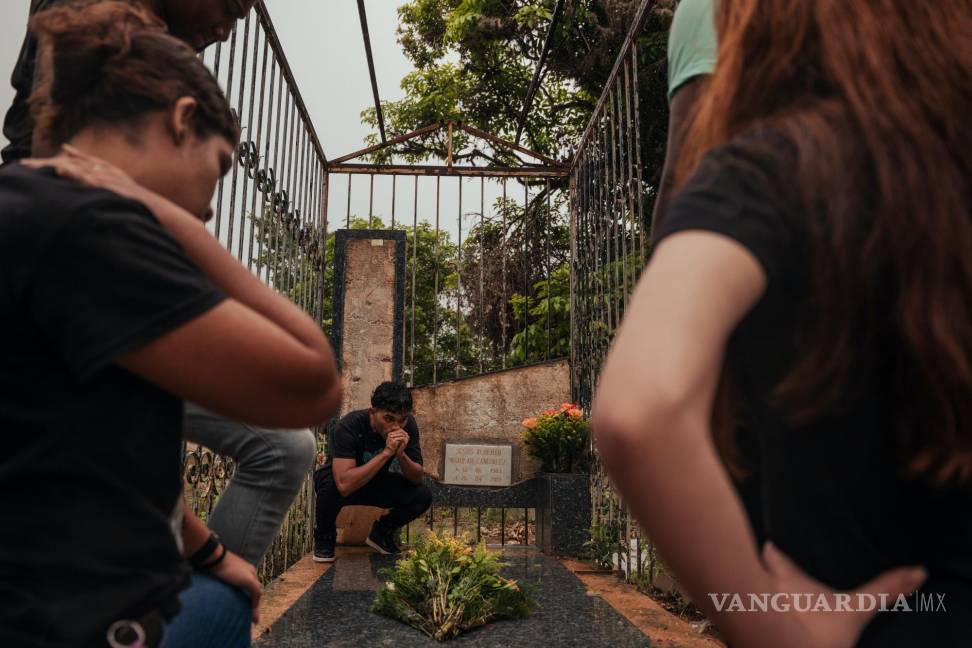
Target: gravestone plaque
point(478, 465)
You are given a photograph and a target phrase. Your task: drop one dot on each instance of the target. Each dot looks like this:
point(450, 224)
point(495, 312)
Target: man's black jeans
point(407, 501)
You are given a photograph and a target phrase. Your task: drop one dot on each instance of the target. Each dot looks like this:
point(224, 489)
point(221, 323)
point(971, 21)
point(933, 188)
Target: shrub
point(558, 439)
point(444, 587)
point(602, 546)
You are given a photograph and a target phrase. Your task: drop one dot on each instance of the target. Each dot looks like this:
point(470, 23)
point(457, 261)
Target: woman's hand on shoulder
point(92, 171)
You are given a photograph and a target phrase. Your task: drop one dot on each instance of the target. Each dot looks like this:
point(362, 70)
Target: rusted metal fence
point(268, 212)
point(492, 525)
point(486, 246)
point(610, 238)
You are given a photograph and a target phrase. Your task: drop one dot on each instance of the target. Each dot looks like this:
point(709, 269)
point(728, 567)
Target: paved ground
point(335, 611)
point(664, 629)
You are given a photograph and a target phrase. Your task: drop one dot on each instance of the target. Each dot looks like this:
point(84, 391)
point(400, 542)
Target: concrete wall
point(488, 409)
point(369, 319)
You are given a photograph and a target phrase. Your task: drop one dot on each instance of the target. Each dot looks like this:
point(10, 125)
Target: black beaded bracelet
point(205, 552)
point(215, 562)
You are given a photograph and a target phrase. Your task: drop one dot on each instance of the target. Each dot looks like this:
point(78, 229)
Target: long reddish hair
point(874, 97)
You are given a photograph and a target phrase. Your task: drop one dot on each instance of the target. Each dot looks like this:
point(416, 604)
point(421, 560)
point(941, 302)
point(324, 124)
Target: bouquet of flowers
point(559, 439)
point(444, 587)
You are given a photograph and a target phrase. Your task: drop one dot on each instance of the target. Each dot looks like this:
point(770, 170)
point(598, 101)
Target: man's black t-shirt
point(353, 438)
point(91, 462)
point(830, 493)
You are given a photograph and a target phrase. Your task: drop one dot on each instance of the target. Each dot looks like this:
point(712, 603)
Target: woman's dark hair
point(392, 397)
point(874, 98)
point(112, 62)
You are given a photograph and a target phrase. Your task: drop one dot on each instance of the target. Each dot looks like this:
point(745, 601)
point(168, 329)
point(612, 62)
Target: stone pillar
point(369, 297)
point(563, 513)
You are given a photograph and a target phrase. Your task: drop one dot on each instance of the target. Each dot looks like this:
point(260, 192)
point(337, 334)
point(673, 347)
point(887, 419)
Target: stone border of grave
point(562, 502)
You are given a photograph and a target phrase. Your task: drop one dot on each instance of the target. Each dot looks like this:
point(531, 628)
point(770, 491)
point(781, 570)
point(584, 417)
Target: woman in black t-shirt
point(812, 282)
point(117, 303)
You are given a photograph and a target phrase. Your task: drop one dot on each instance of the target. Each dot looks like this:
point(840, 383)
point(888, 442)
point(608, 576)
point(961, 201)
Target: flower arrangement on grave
point(558, 439)
point(445, 587)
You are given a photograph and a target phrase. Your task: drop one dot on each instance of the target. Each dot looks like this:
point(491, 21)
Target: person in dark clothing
point(117, 305)
point(361, 448)
point(197, 22)
point(271, 464)
point(786, 406)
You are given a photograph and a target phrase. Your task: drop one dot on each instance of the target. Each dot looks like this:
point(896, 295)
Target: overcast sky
point(322, 40)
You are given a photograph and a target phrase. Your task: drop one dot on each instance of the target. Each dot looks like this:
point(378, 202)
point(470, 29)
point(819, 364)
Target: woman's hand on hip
point(835, 619)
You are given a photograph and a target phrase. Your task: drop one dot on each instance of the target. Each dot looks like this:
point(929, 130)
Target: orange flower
point(529, 423)
point(567, 406)
point(575, 414)
point(551, 412)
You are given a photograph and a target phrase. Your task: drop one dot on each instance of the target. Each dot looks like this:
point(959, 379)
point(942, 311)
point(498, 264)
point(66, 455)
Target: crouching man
point(361, 448)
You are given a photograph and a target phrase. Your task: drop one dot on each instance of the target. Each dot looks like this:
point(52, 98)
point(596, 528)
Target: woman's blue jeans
point(213, 615)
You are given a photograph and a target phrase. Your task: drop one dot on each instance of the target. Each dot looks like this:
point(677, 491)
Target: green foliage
point(474, 61)
point(602, 545)
point(290, 255)
point(607, 289)
point(549, 317)
point(444, 587)
point(442, 336)
point(505, 261)
point(558, 439)
point(471, 57)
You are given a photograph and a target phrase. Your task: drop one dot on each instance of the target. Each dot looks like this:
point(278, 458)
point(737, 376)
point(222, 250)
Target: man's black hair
point(392, 397)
